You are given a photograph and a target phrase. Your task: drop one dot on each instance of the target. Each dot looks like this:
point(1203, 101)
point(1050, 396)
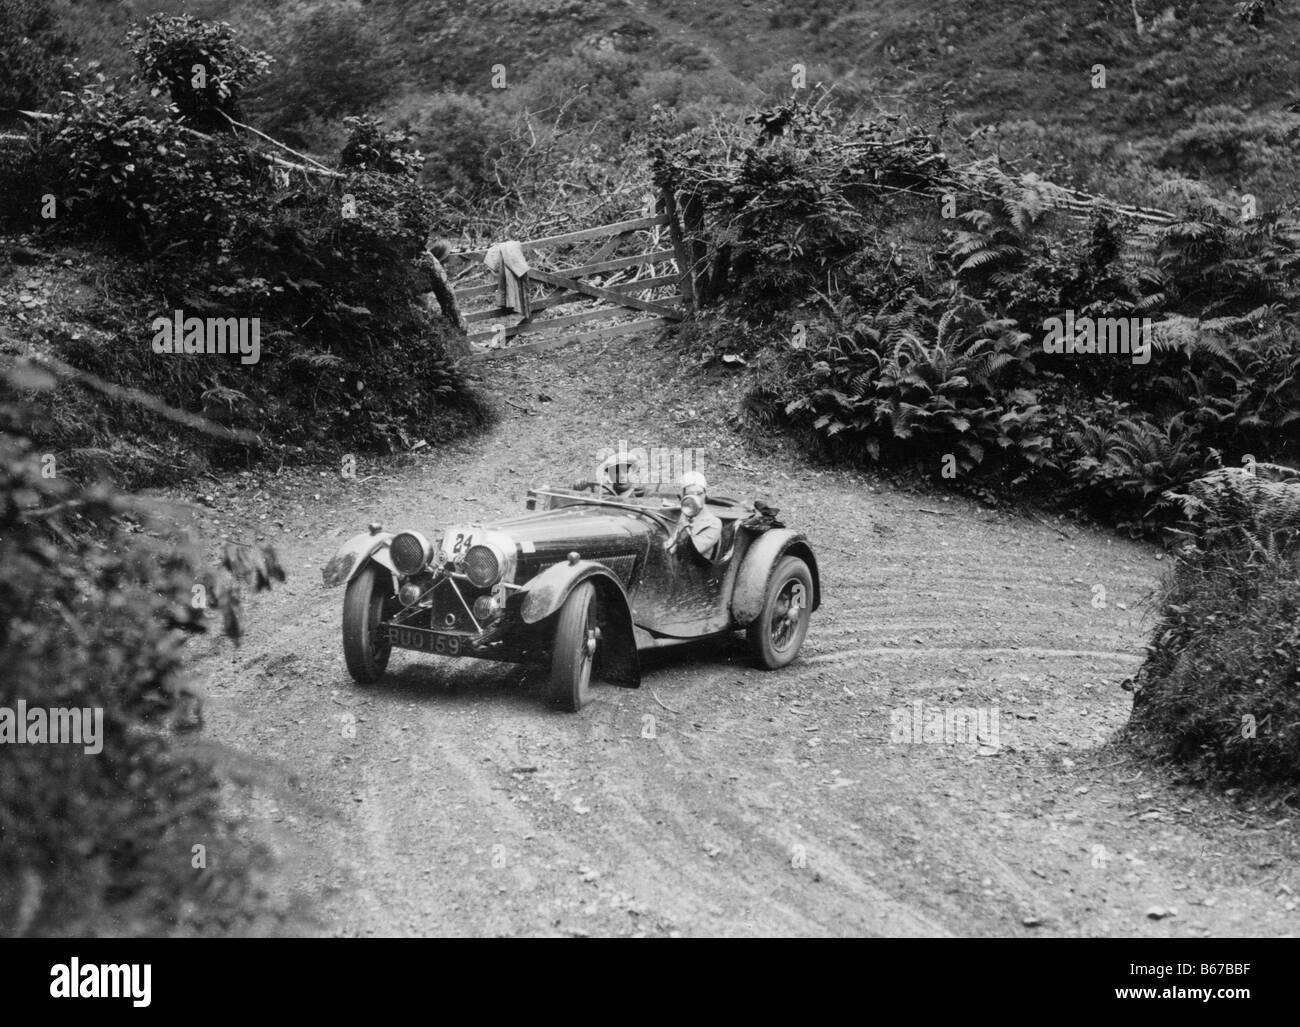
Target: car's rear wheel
point(573, 653)
point(776, 635)
point(365, 649)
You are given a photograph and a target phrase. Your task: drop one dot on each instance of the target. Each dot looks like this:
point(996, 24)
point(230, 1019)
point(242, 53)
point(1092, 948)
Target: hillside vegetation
point(173, 217)
point(868, 192)
point(326, 264)
point(1200, 87)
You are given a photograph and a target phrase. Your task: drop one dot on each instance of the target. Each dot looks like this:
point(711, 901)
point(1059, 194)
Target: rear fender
point(761, 558)
point(346, 564)
point(617, 652)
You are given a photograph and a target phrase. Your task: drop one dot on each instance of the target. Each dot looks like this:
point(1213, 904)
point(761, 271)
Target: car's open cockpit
point(662, 507)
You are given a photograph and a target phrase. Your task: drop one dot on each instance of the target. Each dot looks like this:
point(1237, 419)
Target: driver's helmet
point(618, 474)
point(694, 483)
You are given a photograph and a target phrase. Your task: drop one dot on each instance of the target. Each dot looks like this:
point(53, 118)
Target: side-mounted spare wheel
point(573, 652)
point(777, 633)
point(365, 649)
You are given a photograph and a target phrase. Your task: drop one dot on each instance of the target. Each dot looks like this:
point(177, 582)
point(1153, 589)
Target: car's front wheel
point(776, 635)
point(365, 648)
point(573, 653)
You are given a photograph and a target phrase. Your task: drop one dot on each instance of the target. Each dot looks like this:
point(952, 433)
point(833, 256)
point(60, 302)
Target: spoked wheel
point(776, 635)
point(573, 654)
point(365, 649)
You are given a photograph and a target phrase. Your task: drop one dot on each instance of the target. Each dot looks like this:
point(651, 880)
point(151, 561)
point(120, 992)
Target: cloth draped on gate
point(506, 260)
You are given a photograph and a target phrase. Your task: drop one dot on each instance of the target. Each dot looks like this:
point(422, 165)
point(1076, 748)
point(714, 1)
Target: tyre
point(364, 650)
point(776, 635)
point(573, 652)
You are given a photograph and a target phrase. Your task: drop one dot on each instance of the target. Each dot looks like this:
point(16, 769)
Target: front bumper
point(442, 623)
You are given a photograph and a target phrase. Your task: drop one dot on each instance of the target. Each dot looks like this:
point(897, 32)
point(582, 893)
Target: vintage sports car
point(582, 584)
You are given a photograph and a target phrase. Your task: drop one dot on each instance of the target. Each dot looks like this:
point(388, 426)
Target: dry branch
point(277, 161)
point(275, 142)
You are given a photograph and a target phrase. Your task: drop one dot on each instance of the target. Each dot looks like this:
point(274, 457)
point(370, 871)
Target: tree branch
point(149, 402)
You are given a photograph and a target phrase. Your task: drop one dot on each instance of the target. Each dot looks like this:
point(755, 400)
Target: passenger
point(697, 522)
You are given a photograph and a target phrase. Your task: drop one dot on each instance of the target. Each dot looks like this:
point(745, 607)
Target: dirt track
point(764, 803)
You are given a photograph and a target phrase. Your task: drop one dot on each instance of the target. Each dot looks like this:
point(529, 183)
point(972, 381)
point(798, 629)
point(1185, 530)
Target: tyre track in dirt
point(718, 799)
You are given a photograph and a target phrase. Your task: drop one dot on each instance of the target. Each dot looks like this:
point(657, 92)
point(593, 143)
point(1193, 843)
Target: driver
point(618, 476)
point(697, 523)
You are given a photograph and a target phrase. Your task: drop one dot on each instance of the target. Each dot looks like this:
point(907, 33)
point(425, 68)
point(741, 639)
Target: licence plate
point(424, 641)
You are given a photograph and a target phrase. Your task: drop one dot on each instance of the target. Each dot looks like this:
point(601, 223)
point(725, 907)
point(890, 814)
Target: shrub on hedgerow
point(930, 380)
point(781, 208)
point(119, 167)
point(33, 54)
point(330, 263)
point(371, 148)
point(806, 212)
point(1219, 691)
point(200, 65)
point(95, 600)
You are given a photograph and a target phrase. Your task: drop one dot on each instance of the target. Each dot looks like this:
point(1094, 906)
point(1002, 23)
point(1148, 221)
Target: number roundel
point(456, 543)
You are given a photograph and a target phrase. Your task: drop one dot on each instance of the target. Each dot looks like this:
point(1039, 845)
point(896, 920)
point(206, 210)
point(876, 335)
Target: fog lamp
point(486, 608)
point(410, 593)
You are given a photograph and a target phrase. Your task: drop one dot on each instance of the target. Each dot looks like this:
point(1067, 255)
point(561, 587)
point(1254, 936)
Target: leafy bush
point(838, 225)
point(1218, 691)
point(464, 138)
point(199, 65)
point(1228, 142)
point(121, 171)
point(94, 603)
point(1121, 468)
point(33, 52)
point(785, 212)
point(371, 148)
point(330, 263)
point(1208, 263)
point(917, 386)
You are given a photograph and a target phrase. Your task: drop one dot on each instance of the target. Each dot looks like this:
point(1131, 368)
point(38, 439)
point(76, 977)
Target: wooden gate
point(605, 286)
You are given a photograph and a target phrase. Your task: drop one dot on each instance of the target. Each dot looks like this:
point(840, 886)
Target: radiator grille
point(621, 566)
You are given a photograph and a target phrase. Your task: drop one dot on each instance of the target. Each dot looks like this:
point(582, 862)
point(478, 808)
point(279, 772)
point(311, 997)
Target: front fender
point(761, 558)
point(353, 554)
point(619, 662)
point(545, 594)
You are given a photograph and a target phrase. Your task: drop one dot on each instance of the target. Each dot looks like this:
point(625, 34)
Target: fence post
point(679, 248)
point(693, 227)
